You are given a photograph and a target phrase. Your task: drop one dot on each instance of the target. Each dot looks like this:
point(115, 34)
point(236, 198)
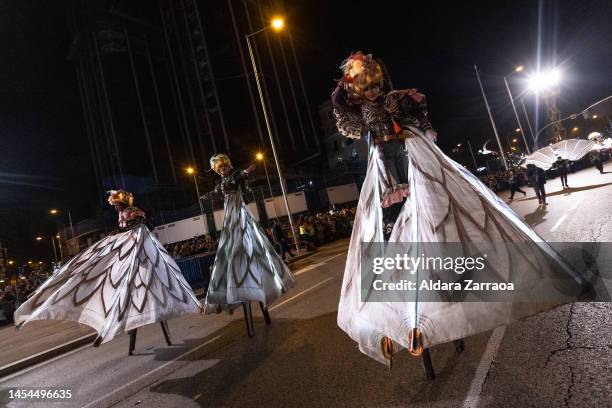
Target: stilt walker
point(120, 283)
point(247, 268)
point(442, 203)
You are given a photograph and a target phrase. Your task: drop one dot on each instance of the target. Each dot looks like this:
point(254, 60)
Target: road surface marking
point(558, 223)
point(300, 294)
point(314, 266)
point(573, 207)
point(195, 349)
point(185, 354)
point(473, 396)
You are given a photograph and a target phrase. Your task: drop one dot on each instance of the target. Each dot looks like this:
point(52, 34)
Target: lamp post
point(528, 122)
point(260, 157)
point(191, 171)
point(277, 24)
point(484, 96)
point(472, 154)
point(55, 211)
point(517, 69)
point(40, 238)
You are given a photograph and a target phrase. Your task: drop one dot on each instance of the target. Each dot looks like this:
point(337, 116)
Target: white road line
point(573, 207)
point(134, 381)
point(473, 396)
point(314, 266)
point(558, 223)
point(301, 293)
point(197, 348)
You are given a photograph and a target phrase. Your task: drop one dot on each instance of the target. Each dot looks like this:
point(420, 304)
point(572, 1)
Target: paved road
point(562, 357)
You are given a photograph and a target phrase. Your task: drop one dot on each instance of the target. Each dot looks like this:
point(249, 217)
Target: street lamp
point(471, 153)
point(192, 172)
point(55, 211)
point(277, 24)
point(39, 238)
point(543, 81)
point(520, 128)
point(260, 157)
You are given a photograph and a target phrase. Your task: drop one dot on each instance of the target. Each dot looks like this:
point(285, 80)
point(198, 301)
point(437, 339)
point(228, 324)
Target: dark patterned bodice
point(233, 183)
point(354, 119)
point(376, 118)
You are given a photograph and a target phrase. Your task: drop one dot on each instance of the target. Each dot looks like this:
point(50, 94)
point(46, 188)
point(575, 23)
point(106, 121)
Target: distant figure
point(537, 177)
point(562, 165)
point(597, 159)
point(513, 182)
point(280, 240)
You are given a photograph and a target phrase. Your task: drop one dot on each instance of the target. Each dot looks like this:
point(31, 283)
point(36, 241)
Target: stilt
point(266, 314)
point(248, 318)
point(132, 341)
point(459, 345)
point(166, 331)
point(429, 370)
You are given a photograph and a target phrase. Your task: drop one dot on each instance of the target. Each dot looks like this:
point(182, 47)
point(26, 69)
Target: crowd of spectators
point(499, 180)
point(314, 229)
point(12, 296)
point(202, 244)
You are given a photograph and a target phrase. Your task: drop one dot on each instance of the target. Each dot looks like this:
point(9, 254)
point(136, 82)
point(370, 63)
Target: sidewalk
point(41, 340)
point(37, 337)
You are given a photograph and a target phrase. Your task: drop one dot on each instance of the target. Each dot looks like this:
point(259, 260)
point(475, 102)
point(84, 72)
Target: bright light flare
point(594, 116)
point(519, 68)
point(39, 238)
point(544, 80)
point(53, 211)
point(575, 129)
point(259, 156)
point(278, 23)
point(190, 170)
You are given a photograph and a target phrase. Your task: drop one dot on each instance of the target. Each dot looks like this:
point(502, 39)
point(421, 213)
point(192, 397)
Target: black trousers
point(282, 248)
point(563, 175)
point(514, 188)
point(540, 192)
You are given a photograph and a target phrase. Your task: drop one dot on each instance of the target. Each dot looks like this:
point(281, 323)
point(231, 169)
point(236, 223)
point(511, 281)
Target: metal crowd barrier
point(196, 269)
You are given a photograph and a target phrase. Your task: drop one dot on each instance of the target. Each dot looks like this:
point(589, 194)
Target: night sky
point(45, 155)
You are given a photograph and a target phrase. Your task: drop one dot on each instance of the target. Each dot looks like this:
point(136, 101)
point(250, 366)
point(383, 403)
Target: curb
point(46, 355)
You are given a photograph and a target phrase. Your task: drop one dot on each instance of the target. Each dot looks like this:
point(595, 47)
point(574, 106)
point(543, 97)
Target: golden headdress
point(219, 159)
point(360, 72)
point(120, 197)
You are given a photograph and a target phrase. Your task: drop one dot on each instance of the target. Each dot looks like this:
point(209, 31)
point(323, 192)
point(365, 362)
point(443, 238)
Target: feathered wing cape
point(247, 268)
point(446, 204)
point(121, 282)
point(570, 149)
